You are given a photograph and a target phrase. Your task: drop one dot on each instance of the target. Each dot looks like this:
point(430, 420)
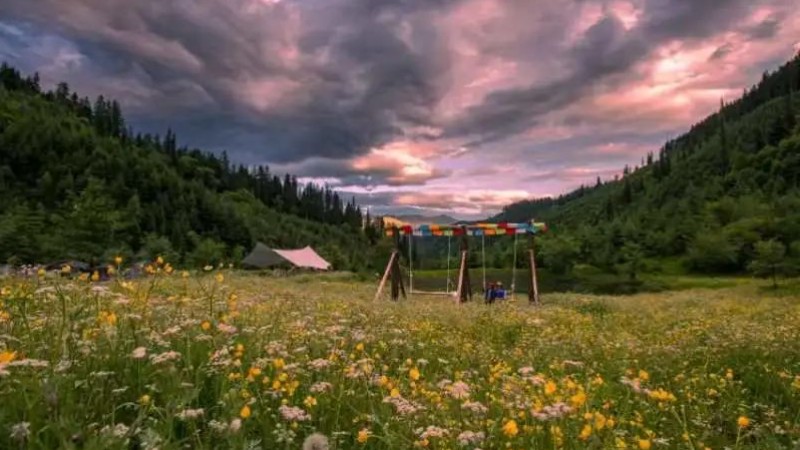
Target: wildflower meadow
point(225, 359)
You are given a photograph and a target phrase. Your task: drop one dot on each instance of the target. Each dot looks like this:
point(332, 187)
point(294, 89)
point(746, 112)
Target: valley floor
point(231, 360)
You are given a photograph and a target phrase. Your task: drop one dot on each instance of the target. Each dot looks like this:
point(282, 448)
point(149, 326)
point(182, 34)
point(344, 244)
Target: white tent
point(263, 257)
point(305, 257)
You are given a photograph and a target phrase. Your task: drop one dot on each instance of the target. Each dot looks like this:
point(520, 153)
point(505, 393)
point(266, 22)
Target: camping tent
point(263, 257)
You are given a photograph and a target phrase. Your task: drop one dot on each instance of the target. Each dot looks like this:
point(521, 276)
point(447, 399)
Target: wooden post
point(393, 271)
point(386, 275)
point(533, 290)
point(464, 292)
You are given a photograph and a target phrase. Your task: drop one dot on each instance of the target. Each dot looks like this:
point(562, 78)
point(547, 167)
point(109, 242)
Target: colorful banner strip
point(480, 229)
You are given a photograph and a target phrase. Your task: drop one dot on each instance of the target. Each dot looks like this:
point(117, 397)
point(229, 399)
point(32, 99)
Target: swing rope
point(514, 269)
point(483, 258)
point(410, 266)
point(447, 289)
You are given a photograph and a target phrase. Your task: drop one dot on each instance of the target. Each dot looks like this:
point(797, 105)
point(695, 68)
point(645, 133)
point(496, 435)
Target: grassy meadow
point(224, 359)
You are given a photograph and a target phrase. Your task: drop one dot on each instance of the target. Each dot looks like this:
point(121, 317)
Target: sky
point(412, 106)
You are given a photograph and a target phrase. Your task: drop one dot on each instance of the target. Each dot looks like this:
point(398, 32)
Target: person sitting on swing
point(499, 292)
point(489, 294)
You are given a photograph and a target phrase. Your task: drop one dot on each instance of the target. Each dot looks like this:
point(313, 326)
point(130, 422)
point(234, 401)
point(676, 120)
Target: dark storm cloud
point(766, 29)
point(369, 86)
point(721, 52)
point(314, 87)
point(605, 50)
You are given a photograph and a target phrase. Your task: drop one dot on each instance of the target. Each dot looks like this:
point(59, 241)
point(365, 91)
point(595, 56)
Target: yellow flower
point(394, 393)
point(662, 395)
point(578, 399)
point(95, 276)
point(185, 274)
point(206, 325)
point(41, 272)
point(363, 435)
point(245, 412)
point(360, 347)
point(160, 261)
point(107, 318)
point(413, 373)
point(585, 432)
point(310, 402)
point(254, 372)
point(510, 428)
point(118, 260)
point(743, 422)
point(644, 444)
point(220, 278)
point(7, 357)
point(65, 269)
point(643, 375)
point(550, 388)
point(144, 400)
point(278, 363)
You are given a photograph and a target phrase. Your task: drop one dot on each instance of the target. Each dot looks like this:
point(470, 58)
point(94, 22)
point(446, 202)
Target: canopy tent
point(263, 257)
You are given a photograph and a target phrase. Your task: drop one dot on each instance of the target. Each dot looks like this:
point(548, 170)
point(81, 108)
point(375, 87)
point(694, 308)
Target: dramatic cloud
point(423, 105)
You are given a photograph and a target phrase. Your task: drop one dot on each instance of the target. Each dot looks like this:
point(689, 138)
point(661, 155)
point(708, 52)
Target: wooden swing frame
point(463, 291)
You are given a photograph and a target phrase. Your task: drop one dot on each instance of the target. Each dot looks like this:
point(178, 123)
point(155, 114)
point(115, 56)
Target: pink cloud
point(400, 162)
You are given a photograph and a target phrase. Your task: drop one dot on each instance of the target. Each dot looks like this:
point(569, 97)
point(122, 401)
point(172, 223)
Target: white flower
point(471, 437)
point(189, 414)
point(402, 406)
point(319, 364)
point(316, 441)
point(293, 414)
point(139, 353)
point(432, 432)
point(235, 425)
point(459, 390)
point(217, 426)
point(476, 407)
point(164, 357)
point(321, 386)
point(20, 431)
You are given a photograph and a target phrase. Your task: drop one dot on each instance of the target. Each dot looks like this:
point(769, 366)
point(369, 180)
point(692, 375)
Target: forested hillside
point(76, 182)
point(724, 197)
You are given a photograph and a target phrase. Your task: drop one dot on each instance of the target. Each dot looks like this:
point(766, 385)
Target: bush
point(711, 252)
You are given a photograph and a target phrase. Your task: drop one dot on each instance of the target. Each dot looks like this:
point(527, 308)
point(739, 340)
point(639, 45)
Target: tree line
point(722, 198)
point(76, 181)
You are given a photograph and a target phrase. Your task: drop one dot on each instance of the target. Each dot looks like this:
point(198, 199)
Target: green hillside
point(76, 182)
point(722, 198)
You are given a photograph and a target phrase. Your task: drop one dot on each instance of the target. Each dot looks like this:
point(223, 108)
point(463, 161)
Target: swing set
point(463, 290)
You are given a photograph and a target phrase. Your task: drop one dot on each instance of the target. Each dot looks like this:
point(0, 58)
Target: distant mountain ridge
point(417, 219)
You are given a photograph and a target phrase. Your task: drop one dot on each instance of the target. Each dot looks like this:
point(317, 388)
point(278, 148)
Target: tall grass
point(228, 360)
